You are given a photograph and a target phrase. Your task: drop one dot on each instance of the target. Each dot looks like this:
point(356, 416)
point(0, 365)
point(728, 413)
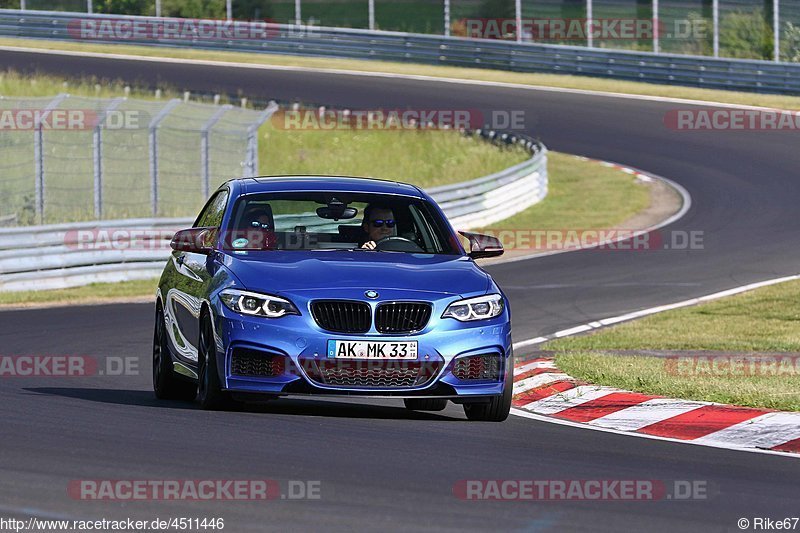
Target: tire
point(498, 408)
point(209, 388)
point(165, 384)
point(425, 404)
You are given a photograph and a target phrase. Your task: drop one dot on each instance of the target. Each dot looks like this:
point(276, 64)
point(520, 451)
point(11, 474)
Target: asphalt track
point(380, 467)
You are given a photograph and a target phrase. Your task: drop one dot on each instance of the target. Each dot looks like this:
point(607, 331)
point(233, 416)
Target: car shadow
point(337, 409)
point(112, 396)
point(325, 407)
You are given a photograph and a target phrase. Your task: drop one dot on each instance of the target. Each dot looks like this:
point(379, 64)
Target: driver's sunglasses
point(379, 223)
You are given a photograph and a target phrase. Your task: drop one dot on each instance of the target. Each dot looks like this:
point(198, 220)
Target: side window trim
point(209, 204)
point(426, 231)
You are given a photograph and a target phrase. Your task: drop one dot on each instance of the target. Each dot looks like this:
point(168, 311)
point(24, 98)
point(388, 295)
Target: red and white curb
point(540, 388)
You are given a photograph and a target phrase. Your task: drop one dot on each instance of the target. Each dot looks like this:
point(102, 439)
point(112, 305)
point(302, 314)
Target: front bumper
point(299, 348)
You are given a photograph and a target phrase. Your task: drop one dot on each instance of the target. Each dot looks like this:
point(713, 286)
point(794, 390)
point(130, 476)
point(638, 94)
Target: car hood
point(280, 272)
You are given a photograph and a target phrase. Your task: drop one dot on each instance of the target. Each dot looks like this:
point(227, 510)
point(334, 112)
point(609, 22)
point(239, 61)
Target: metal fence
point(734, 74)
point(68, 255)
point(73, 158)
point(753, 29)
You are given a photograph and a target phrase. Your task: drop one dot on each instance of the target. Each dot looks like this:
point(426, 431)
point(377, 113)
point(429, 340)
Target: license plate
point(371, 350)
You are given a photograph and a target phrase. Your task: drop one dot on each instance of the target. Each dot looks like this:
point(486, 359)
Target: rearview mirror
point(483, 245)
point(194, 240)
point(336, 210)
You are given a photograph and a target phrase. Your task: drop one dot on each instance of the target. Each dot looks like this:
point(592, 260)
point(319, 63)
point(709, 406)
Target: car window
point(213, 212)
point(298, 221)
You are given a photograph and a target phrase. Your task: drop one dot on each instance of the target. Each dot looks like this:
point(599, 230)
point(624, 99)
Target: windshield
point(338, 221)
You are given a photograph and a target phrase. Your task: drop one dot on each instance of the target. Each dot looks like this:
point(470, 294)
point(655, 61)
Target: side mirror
point(483, 245)
point(194, 240)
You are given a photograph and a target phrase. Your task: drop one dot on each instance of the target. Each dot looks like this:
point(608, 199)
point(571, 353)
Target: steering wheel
point(398, 244)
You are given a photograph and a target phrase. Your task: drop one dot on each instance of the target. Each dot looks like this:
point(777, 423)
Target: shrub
point(745, 34)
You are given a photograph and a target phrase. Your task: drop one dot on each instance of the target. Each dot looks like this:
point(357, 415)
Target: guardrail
point(69, 255)
point(484, 201)
point(699, 71)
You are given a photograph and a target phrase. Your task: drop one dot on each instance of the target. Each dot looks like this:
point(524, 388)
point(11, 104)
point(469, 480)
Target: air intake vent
point(254, 363)
point(374, 374)
point(477, 367)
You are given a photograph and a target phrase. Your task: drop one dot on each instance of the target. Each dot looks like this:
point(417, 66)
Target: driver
point(378, 224)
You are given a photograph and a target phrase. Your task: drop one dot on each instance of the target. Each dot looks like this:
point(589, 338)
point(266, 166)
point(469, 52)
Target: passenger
point(257, 217)
point(255, 229)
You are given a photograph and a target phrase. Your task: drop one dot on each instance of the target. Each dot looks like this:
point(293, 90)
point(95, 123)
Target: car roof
point(327, 183)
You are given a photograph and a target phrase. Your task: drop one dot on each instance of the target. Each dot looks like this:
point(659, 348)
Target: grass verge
point(546, 80)
point(93, 293)
point(426, 158)
point(764, 321)
point(581, 195)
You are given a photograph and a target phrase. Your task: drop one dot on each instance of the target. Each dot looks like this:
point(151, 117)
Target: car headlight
point(252, 303)
point(479, 308)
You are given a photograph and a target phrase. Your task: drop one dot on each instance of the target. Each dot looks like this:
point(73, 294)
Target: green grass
point(425, 158)
point(582, 195)
point(657, 376)
point(547, 80)
point(94, 293)
point(766, 320)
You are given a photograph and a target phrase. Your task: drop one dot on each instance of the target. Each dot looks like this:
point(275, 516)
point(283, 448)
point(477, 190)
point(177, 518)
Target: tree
point(746, 35)
point(790, 42)
point(493, 9)
point(123, 7)
point(252, 9)
point(214, 9)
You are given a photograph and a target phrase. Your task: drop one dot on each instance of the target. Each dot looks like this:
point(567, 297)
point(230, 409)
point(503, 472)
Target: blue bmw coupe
point(291, 285)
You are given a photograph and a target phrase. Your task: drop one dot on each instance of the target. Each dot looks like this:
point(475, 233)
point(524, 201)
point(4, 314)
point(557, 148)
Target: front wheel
point(165, 384)
point(498, 408)
point(210, 393)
